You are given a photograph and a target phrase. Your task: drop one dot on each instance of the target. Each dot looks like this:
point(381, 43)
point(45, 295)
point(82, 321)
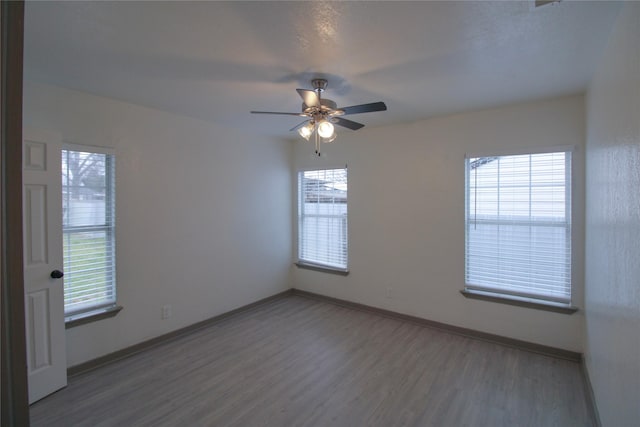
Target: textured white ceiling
point(218, 60)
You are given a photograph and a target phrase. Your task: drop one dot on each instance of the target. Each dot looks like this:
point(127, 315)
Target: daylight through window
point(88, 208)
point(518, 225)
point(322, 218)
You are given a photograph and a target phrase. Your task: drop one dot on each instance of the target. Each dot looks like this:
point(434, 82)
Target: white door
point(44, 294)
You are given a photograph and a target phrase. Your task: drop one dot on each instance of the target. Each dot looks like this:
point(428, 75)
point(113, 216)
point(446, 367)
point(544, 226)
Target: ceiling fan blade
point(365, 108)
point(347, 123)
point(299, 126)
point(275, 112)
point(309, 97)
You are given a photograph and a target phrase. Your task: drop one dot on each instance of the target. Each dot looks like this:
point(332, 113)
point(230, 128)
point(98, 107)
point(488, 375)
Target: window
point(88, 217)
point(518, 226)
point(322, 218)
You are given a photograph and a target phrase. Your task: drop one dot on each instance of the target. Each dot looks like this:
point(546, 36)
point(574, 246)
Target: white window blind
point(88, 194)
point(322, 218)
point(518, 225)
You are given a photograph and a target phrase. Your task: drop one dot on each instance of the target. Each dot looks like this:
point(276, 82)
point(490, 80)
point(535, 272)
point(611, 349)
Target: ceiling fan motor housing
point(326, 104)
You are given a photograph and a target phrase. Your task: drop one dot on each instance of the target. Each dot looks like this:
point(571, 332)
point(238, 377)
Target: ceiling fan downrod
point(319, 85)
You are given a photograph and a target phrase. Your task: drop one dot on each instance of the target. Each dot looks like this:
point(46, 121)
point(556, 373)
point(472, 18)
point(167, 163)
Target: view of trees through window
point(88, 207)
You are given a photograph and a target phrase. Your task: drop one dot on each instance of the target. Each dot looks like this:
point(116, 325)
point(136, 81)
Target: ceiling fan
point(323, 113)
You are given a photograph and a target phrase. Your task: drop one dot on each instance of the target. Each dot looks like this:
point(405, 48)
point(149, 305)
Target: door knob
point(56, 274)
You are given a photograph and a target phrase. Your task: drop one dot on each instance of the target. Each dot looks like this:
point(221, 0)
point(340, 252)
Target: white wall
point(612, 344)
point(406, 216)
point(188, 231)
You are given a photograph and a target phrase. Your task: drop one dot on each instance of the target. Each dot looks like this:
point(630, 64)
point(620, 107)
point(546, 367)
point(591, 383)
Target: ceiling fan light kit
point(323, 113)
point(325, 129)
point(307, 130)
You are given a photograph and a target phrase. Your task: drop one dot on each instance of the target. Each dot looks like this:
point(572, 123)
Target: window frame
point(311, 264)
point(110, 308)
point(514, 298)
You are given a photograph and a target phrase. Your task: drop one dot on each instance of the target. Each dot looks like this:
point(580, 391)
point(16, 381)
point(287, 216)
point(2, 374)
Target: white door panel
point(44, 295)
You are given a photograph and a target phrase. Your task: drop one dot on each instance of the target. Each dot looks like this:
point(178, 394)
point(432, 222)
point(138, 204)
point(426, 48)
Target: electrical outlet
point(165, 312)
point(389, 292)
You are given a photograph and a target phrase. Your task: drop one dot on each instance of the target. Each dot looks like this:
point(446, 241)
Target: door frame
point(14, 391)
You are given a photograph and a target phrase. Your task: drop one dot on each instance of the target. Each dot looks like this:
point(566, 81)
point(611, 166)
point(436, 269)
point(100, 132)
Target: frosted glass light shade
point(331, 138)
point(306, 131)
point(325, 130)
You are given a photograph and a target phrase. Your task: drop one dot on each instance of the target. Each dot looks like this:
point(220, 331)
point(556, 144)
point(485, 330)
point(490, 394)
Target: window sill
point(91, 316)
point(520, 301)
point(322, 268)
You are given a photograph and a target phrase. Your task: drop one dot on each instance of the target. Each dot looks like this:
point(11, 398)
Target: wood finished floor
point(301, 362)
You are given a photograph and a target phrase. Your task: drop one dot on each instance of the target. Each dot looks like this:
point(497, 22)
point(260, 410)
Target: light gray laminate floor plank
point(302, 362)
